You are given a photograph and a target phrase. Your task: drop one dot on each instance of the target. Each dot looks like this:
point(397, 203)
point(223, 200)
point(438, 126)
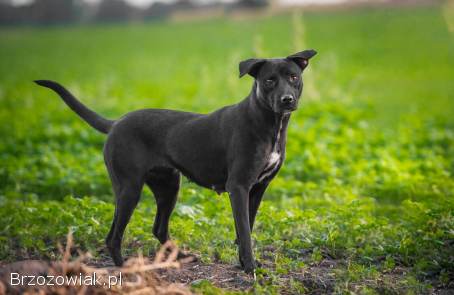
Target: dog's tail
point(96, 121)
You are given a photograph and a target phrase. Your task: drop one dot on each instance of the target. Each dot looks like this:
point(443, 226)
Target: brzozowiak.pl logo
point(16, 279)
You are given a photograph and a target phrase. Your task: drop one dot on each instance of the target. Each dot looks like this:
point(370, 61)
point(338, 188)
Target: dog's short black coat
point(237, 149)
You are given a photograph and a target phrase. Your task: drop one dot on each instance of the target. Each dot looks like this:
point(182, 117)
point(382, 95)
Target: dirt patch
point(169, 275)
point(318, 279)
point(221, 275)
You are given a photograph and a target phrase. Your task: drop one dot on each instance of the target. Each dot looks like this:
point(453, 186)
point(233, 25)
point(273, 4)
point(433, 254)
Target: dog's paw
point(115, 253)
point(250, 270)
point(188, 257)
point(118, 261)
point(248, 267)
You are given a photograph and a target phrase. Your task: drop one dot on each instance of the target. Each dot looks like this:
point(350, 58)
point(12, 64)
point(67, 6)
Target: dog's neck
point(263, 117)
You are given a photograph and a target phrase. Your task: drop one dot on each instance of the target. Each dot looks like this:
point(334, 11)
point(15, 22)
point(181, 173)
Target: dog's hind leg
point(112, 228)
point(164, 183)
point(127, 197)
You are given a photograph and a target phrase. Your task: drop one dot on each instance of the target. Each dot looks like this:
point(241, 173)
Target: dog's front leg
point(239, 199)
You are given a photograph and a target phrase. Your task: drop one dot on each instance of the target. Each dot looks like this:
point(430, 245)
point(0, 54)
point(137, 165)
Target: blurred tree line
point(72, 11)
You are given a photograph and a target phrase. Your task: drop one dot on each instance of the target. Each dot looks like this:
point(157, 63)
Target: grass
point(368, 180)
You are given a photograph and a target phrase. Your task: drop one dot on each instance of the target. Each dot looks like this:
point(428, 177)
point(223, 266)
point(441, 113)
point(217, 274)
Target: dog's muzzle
point(287, 103)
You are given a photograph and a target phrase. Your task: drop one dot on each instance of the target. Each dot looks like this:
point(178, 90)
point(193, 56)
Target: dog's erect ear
point(302, 58)
point(251, 66)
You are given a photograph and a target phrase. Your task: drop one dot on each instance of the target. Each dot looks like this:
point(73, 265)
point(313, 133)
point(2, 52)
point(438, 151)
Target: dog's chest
point(272, 164)
point(273, 159)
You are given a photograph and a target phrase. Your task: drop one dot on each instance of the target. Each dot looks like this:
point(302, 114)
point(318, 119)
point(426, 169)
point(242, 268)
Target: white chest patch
point(274, 158)
point(271, 165)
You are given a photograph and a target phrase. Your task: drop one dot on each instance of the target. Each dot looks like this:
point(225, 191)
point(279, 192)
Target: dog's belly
point(212, 176)
point(219, 189)
point(217, 185)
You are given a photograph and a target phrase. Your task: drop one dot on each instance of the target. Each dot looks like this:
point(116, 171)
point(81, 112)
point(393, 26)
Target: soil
point(319, 278)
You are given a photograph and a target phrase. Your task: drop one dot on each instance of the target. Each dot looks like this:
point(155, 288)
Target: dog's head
point(278, 82)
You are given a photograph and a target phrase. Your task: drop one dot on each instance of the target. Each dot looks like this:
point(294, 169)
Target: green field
point(368, 181)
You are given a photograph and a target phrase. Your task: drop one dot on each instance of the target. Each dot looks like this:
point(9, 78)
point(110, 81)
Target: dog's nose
point(287, 99)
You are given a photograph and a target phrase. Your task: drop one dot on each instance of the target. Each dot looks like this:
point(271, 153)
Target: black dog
point(237, 149)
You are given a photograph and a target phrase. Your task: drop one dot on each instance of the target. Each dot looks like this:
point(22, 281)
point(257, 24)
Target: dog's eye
point(269, 82)
point(293, 78)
